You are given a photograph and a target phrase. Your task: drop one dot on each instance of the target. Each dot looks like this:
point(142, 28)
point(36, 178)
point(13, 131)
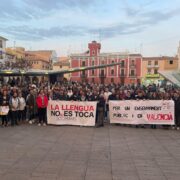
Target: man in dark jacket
point(177, 110)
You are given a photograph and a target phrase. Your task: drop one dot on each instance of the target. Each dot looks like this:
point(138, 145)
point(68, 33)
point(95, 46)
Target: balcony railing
point(150, 65)
point(102, 75)
point(156, 65)
point(132, 65)
point(83, 75)
point(122, 75)
point(132, 75)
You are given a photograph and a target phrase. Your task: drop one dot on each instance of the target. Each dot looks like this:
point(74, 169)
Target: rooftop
point(2, 38)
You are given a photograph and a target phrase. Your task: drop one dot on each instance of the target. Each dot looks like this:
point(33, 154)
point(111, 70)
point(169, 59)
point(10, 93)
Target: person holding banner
point(4, 105)
point(42, 103)
point(154, 96)
point(107, 93)
point(176, 99)
point(100, 110)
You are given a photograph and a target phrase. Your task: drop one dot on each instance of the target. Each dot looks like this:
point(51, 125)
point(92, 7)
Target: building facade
point(17, 52)
point(2, 48)
point(129, 72)
point(42, 59)
point(152, 65)
point(63, 63)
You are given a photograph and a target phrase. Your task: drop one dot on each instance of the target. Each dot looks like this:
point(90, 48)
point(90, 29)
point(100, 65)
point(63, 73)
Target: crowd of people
point(27, 103)
point(15, 64)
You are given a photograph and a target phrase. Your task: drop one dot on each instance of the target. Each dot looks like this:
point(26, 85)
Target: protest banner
point(71, 113)
point(142, 112)
point(4, 110)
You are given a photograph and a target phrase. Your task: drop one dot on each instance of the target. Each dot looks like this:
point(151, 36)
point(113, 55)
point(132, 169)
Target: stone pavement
point(80, 153)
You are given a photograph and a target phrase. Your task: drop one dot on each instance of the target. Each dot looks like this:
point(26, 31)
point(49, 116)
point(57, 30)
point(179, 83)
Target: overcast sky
point(151, 27)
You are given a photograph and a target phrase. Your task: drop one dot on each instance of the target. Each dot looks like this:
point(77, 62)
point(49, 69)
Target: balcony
point(132, 75)
point(150, 66)
point(156, 65)
point(132, 65)
point(122, 75)
point(83, 75)
point(102, 75)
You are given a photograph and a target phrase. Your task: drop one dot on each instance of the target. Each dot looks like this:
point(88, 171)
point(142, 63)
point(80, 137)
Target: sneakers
point(30, 122)
point(44, 124)
point(178, 128)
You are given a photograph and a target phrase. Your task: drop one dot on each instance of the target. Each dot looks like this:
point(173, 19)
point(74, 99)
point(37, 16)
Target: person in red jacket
point(42, 103)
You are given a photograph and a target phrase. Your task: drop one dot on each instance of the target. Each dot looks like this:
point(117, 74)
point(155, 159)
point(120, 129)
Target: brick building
point(128, 72)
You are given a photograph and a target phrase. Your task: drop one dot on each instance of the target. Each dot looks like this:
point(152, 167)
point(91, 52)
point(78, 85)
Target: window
point(170, 61)
point(102, 72)
point(102, 62)
point(83, 63)
point(1, 44)
point(149, 71)
point(92, 63)
point(132, 62)
point(93, 72)
point(60, 66)
point(1, 56)
point(112, 71)
point(122, 63)
point(93, 80)
point(122, 72)
point(156, 63)
point(132, 73)
point(155, 71)
point(112, 80)
point(112, 62)
point(149, 62)
point(93, 52)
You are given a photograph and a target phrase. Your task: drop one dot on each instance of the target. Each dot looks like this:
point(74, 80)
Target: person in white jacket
point(22, 108)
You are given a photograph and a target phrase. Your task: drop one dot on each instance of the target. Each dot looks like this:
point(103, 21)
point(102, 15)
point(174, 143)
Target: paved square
point(80, 153)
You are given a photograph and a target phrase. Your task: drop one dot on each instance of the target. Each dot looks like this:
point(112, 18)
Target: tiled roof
point(43, 54)
point(159, 58)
